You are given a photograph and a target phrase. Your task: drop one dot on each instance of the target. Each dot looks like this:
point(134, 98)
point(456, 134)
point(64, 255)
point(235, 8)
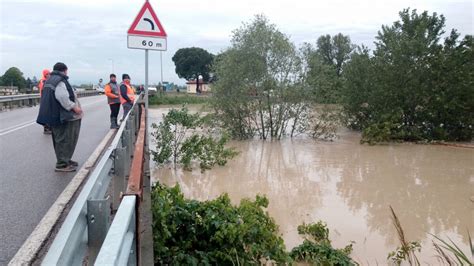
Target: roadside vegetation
point(177, 99)
point(216, 232)
point(183, 139)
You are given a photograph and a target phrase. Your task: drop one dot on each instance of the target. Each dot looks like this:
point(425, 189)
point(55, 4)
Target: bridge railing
point(20, 100)
point(81, 238)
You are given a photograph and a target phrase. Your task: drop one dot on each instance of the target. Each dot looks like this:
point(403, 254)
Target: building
point(204, 86)
point(8, 90)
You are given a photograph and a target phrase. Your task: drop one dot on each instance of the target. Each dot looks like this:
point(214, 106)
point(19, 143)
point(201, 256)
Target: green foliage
point(215, 232)
point(13, 77)
point(414, 87)
point(261, 87)
point(183, 137)
point(402, 253)
point(177, 99)
point(327, 62)
point(451, 254)
point(316, 248)
point(192, 62)
point(324, 123)
point(317, 232)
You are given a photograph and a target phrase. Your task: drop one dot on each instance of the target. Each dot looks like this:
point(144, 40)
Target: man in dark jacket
point(61, 111)
point(112, 91)
point(127, 95)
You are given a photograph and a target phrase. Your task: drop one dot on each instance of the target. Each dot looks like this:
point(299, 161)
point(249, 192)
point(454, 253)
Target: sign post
point(147, 33)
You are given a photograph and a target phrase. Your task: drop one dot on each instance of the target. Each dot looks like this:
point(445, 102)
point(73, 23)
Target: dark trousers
point(114, 109)
point(65, 139)
point(126, 109)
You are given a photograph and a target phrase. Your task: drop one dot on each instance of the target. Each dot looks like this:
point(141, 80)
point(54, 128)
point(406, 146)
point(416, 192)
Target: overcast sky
point(91, 35)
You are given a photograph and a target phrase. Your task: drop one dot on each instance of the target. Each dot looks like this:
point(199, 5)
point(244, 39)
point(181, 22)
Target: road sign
point(147, 23)
point(146, 42)
point(146, 31)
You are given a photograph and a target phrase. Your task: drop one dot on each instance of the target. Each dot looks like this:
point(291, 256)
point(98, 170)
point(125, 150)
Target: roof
point(194, 82)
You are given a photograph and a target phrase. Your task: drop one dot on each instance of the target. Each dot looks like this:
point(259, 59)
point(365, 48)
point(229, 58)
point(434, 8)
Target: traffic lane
point(14, 118)
point(29, 185)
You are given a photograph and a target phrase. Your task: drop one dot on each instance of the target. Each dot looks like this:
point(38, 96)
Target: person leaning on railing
point(60, 109)
point(127, 95)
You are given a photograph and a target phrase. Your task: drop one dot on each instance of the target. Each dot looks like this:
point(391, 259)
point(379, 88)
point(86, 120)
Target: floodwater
point(350, 187)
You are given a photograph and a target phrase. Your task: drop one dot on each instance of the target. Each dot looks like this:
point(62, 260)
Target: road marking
point(12, 127)
point(15, 128)
point(29, 123)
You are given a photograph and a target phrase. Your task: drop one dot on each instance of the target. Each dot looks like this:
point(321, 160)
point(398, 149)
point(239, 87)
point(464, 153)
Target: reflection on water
point(349, 186)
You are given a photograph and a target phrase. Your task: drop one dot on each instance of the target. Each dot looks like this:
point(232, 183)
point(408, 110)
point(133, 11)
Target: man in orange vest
point(46, 74)
point(127, 95)
point(112, 91)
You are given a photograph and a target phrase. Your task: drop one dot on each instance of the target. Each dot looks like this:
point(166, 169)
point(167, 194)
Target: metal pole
point(146, 106)
point(161, 68)
point(146, 81)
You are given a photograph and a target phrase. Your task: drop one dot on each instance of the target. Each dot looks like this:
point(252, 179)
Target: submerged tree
point(261, 86)
point(184, 138)
point(414, 87)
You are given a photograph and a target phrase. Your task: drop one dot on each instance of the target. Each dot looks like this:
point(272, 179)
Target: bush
point(183, 138)
point(215, 232)
point(316, 248)
point(175, 99)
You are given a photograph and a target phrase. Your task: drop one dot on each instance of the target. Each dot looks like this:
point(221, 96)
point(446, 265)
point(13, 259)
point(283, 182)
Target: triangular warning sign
point(147, 23)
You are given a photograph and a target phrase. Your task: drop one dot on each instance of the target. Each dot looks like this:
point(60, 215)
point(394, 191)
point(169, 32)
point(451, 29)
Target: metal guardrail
point(85, 227)
point(33, 99)
point(119, 246)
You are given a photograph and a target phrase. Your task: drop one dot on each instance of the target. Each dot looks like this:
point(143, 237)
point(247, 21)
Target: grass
point(178, 98)
point(448, 253)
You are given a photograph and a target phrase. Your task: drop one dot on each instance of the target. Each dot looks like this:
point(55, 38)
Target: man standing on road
point(46, 72)
point(112, 91)
point(61, 110)
point(127, 95)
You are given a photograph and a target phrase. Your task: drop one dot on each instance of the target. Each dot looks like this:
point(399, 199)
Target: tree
point(14, 77)
point(335, 51)
point(261, 83)
point(192, 62)
point(414, 87)
point(327, 62)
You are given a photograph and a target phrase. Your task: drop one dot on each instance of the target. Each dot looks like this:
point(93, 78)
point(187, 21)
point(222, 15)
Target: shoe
point(116, 125)
point(73, 163)
point(113, 123)
point(68, 168)
point(47, 132)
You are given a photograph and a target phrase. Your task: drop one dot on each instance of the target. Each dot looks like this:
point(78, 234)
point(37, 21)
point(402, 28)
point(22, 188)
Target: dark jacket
point(51, 112)
point(123, 93)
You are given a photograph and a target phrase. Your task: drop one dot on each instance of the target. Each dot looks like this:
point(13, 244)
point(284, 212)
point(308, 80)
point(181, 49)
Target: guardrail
point(81, 237)
point(10, 101)
point(119, 245)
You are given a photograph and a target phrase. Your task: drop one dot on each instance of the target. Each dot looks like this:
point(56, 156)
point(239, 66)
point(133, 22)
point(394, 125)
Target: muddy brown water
point(350, 187)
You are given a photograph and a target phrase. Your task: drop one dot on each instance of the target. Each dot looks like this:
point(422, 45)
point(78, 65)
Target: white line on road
point(29, 123)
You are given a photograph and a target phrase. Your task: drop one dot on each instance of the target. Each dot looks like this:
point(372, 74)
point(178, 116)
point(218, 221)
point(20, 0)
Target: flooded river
point(350, 187)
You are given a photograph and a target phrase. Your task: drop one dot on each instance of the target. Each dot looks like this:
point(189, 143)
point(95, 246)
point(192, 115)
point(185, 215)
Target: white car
point(99, 89)
point(152, 90)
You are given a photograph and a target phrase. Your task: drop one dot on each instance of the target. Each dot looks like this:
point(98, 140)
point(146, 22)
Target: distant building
point(8, 90)
point(191, 86)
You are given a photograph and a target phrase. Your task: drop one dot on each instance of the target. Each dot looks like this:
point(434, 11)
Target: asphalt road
point(28, 183)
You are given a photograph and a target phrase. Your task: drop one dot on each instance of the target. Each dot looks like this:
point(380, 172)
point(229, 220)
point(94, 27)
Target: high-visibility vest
point(112, 91)
point(130, 94)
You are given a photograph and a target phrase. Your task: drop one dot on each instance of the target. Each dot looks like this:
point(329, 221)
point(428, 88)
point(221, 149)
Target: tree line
point(415, 85)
